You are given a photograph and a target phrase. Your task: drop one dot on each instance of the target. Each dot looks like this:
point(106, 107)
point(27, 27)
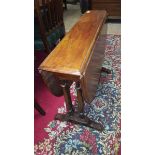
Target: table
point(75, 59)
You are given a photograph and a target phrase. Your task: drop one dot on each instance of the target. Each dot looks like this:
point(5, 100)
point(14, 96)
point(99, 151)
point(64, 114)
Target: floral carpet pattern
point(69, 139)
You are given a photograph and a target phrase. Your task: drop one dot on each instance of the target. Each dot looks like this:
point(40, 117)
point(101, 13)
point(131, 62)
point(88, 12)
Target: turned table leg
point(70, 110)
point(66, 90)
point(71, 115)
point(79, 98)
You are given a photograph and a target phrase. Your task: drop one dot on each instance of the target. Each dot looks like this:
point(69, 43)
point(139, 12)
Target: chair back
point(49, 15)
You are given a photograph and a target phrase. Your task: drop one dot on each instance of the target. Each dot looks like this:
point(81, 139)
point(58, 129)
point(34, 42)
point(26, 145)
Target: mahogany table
point(76, 59)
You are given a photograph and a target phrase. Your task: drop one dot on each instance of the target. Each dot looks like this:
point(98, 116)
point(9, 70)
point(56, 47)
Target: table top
point(71, 55)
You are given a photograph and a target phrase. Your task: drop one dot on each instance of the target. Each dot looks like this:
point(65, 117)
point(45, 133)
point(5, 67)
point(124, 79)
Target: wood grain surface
point(71, 55)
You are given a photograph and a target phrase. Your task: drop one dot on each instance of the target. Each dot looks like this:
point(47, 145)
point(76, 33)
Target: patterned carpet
point(70, 139)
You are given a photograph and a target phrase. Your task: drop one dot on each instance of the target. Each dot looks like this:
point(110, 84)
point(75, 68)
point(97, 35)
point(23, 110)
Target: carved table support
point(66, 90)
point(76, 117)
point(79, 98)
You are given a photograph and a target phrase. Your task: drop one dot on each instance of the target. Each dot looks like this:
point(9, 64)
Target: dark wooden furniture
point(84, 5)
point(49, 18)
point(65, 3)
point(76, 59)
point(52, 83)
point(113, 7)
point(39, 108)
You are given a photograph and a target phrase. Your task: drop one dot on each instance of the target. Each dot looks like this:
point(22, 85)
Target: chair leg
point(65, 2)
point(39, 109)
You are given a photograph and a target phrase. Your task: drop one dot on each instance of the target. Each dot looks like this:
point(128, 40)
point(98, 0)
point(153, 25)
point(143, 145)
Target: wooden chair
point(48, 24)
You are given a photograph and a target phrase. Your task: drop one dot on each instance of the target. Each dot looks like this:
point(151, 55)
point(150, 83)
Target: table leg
point(80, 98)
point(76, 117)
point(66, 90)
